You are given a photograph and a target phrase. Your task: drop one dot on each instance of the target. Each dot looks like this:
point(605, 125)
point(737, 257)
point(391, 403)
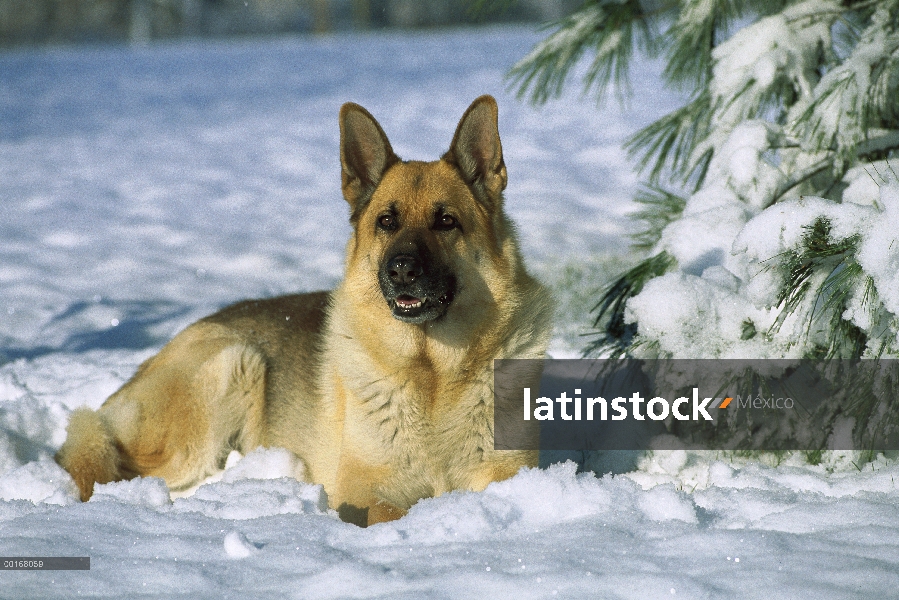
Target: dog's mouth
point(414, 309)
point(406, 302)
point(417, 287)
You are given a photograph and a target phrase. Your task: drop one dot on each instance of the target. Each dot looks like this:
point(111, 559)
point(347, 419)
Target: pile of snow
point(746, 531)
point(730, 276)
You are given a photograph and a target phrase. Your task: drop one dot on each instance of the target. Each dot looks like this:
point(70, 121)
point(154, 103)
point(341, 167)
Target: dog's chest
point(425, 434)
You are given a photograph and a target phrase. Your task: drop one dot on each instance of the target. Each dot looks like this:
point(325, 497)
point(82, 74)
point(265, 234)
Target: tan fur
point(382, 412)
point(89, 453)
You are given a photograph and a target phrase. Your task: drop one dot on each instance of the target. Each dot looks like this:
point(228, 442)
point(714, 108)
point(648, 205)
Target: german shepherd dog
point(383, 387)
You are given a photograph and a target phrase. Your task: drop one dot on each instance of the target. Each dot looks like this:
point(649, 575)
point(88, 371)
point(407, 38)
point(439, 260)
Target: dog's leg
point(177, 418)
point(501, 465)
point(383, 512)
point(355, 496)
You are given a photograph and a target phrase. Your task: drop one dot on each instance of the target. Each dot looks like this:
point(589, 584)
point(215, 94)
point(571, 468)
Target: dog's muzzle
point(415, 288)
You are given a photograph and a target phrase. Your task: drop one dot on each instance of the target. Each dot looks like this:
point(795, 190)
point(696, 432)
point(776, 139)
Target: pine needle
point(660, 207)
point(615, 336)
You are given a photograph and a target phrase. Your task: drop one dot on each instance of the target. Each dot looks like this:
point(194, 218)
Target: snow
point(748, 532)
point(238, 546)
point(702, 315)
point(144, 188)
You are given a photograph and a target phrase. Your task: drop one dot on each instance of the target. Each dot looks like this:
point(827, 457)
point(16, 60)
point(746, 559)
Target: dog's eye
point(387, 222)
point(446, 222)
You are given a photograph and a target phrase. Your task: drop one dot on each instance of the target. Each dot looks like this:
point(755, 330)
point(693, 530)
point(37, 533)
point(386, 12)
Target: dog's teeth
point(416, 303)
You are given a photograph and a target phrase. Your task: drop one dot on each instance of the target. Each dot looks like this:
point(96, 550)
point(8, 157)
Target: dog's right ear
point(365, 155)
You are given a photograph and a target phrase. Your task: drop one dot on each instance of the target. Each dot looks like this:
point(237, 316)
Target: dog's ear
point(477, 153)
point(365, 155)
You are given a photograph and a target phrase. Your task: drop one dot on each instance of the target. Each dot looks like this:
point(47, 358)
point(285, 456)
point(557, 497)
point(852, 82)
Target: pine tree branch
point(615, 335)
point(667, 145)
point(693, 37)
point(883, 143)
point(801, 176)
point(660, 207)
point(612, 27)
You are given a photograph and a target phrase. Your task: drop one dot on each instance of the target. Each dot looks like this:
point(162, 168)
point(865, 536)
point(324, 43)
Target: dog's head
point(425, 232)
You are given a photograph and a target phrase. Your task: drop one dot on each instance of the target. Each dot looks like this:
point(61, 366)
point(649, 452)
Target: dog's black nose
point(404, 268)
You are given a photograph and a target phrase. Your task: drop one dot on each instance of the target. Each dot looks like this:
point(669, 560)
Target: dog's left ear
point(477, 153)
point(365, 155)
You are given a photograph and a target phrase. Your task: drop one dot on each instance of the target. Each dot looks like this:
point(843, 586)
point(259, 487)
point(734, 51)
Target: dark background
point(37, 22)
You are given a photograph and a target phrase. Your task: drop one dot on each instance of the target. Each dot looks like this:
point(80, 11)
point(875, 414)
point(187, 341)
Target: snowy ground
point(144, 188)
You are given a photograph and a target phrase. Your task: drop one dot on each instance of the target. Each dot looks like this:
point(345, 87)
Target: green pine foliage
point(824, 78)
point(660, 207)
point(770, 204)
point(617, 336)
